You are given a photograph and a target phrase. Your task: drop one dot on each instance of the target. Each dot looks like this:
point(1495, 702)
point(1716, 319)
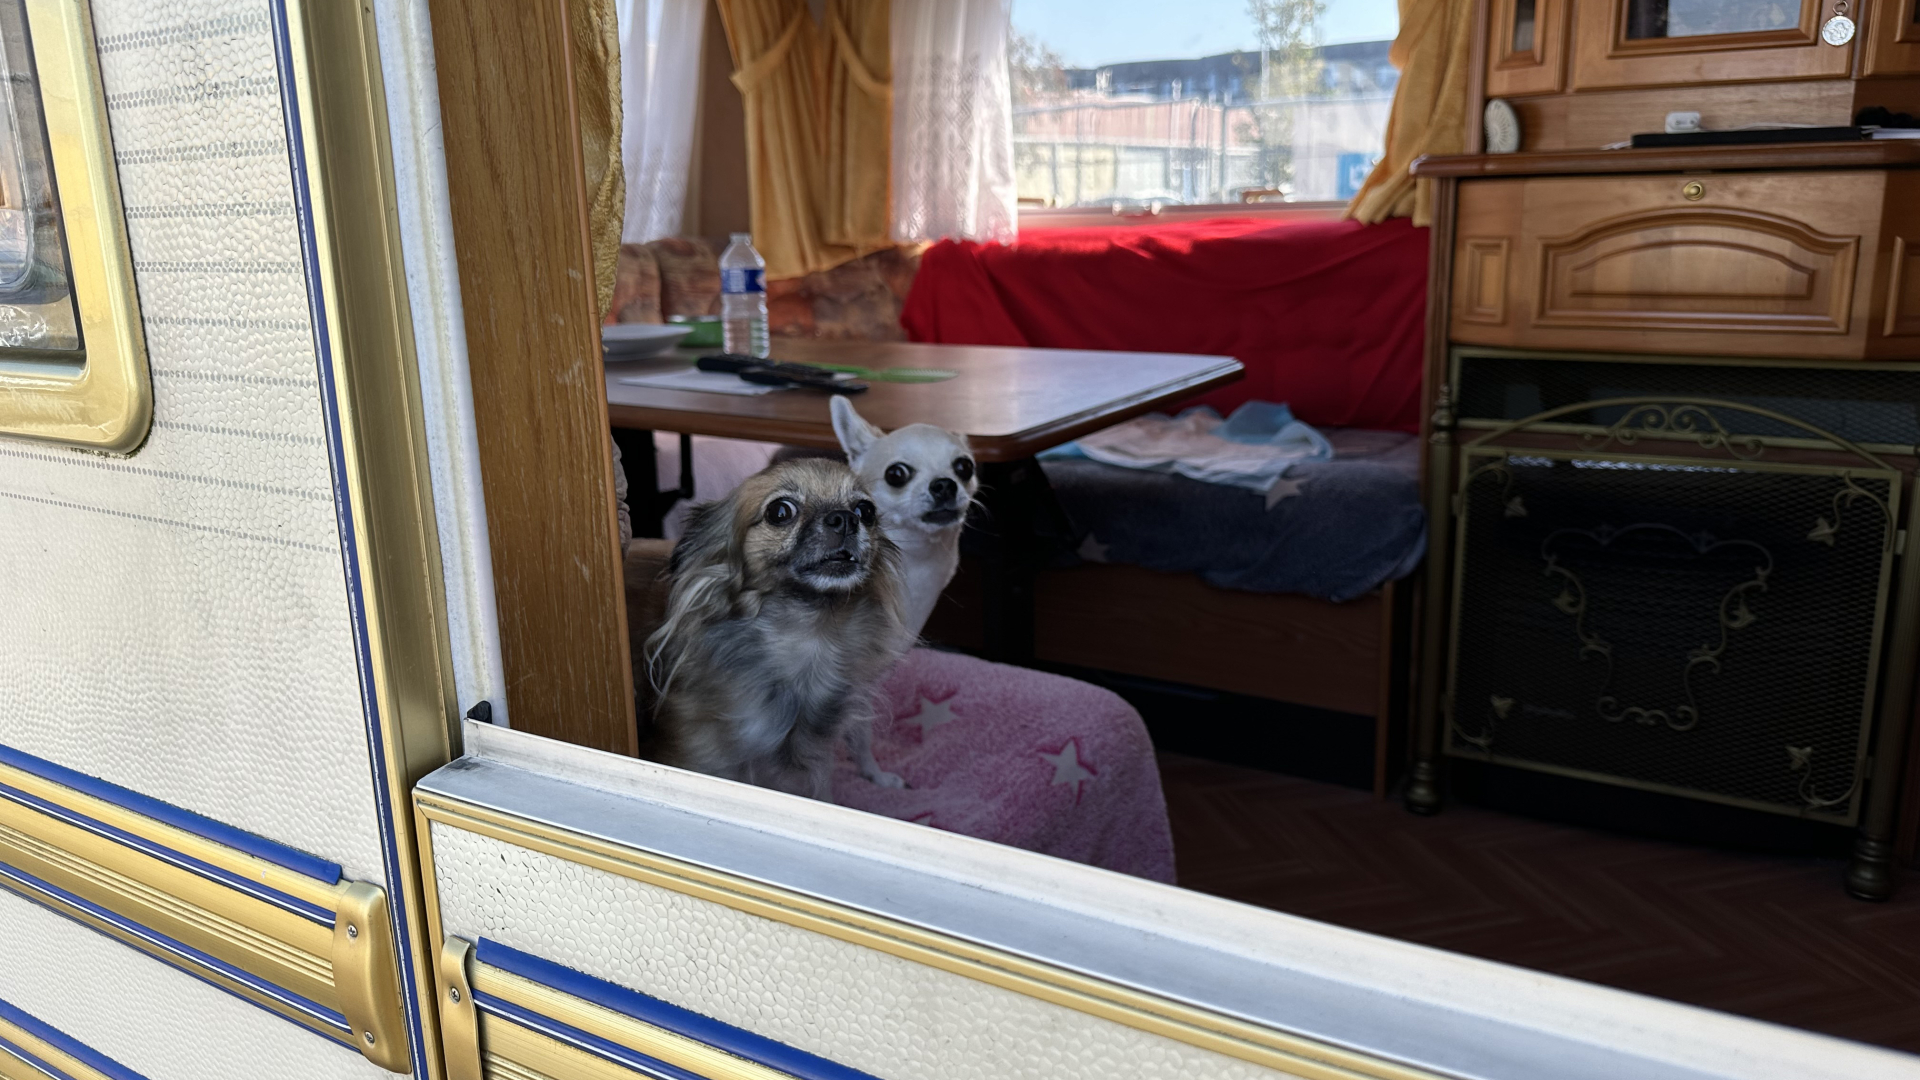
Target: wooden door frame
point(516, 182)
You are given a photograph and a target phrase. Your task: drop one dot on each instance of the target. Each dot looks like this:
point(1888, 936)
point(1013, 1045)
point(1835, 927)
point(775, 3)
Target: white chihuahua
point(922, 479)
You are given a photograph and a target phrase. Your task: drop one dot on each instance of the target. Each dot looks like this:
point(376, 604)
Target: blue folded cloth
point(1251, 449)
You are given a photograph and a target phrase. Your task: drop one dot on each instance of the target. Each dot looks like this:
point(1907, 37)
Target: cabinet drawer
point(1781, 264)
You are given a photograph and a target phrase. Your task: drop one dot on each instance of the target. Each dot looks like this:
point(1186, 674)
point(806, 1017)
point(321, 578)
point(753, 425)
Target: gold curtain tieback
point(862, 78)
point(755, 72)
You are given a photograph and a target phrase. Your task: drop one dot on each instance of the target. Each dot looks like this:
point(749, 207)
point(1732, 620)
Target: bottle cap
point(741, 238)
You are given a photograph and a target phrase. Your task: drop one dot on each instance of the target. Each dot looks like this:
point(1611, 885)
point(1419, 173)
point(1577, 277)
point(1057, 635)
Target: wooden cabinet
point(1807, 264)
point(1586, 73)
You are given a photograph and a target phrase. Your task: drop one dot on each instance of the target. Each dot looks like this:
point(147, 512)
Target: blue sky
point(1089, 33)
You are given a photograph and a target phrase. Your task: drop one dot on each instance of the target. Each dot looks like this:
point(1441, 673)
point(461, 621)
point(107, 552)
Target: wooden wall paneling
point(1591, 120)
point(717, 200)
point(1892, 45)
point(1896, 312)
point(1475, 136)
point(1178, 628)
point(1541, 67)
point(1602, 58)
point(519, 204)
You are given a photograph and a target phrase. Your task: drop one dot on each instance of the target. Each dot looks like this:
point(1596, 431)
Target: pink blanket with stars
point(1021, 757)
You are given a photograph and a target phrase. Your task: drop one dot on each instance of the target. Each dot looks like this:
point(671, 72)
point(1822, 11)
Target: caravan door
point(225, 649)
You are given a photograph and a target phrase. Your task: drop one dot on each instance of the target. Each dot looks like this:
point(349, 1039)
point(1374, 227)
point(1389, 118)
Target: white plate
point(636, 341)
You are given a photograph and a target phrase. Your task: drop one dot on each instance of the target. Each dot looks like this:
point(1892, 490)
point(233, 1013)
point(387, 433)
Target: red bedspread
point(1328, 317)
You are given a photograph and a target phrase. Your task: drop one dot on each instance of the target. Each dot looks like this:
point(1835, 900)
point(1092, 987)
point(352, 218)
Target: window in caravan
point(37, 315)
point(73, 364)
point(1146, 104)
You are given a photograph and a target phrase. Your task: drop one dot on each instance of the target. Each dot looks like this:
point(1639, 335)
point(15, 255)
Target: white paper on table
point(711, 382)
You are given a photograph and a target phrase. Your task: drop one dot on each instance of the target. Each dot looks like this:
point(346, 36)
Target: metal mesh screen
point(1875, 405)
point(1704, 629)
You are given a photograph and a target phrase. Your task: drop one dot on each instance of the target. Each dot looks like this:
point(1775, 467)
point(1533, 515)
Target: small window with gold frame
point(72, 360)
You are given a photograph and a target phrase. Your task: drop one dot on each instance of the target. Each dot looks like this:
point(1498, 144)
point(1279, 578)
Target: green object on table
point(706, 334)
point(898, 374)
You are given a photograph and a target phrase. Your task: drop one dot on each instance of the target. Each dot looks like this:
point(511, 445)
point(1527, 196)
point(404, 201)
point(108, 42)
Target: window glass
point(37, 311)
point(1150, 102)
point(1698, 18)
point(1523, 19)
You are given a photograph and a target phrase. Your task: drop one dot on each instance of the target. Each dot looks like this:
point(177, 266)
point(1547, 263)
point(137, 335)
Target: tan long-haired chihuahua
point(783, 613)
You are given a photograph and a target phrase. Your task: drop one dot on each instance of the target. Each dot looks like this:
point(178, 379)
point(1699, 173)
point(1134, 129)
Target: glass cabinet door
point(1622, 43)
point(1526, 50)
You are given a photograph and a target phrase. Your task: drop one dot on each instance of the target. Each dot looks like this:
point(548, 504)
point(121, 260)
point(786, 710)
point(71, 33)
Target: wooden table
point(1010, 403)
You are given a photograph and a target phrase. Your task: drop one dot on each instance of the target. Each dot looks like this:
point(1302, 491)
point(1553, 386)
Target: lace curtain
point(952, 121)
point(659, 87)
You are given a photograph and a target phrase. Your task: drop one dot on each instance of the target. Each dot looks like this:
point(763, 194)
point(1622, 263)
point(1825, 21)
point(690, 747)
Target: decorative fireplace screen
point(1703, 622)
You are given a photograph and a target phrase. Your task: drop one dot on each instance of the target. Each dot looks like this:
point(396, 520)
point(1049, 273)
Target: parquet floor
point(1762, 936)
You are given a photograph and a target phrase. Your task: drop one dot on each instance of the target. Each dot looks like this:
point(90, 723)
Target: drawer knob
point(1694, 191)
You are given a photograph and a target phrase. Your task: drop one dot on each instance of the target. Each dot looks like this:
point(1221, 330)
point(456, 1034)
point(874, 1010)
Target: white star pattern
point(1283, 488)
point(932, 714)
point(1068, 768)
point(1093, 550)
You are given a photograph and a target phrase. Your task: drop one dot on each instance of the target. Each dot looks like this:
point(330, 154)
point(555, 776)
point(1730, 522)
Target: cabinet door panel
point(1893, 39)
point(1527, 48)
point(1660, 43)
point(1783, 264)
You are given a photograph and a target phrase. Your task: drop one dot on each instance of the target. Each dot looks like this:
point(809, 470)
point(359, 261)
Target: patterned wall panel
point(179, 621)
point(863, 1008)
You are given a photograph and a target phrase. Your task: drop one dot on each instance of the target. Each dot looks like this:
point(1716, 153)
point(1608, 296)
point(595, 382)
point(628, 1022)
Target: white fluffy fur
point(929, 551)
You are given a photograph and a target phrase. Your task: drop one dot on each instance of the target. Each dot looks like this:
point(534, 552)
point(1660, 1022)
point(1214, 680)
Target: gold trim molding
point(479, 1044)
point(1291, 1054)
point(108, 404)
point(340, 958)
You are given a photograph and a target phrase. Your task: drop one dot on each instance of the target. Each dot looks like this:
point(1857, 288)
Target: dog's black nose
point(943, 490)
point(840, 523)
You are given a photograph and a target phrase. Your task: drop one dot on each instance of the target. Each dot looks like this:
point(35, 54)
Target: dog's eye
point(899, 473)
point(867, 513)
point(781, 512)
point(963, 468)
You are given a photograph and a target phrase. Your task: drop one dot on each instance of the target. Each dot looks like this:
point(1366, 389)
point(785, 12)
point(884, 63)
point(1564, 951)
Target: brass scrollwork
point(1734, 614)
point(1800, 760)
point(1661, 420)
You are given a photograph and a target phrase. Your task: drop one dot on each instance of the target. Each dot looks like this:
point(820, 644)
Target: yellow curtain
point(594, 33)
point(777, 60)
point(859, 119)
point(1430, 106)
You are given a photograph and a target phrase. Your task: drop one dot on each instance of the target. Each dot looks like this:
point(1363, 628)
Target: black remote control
point(755, 369)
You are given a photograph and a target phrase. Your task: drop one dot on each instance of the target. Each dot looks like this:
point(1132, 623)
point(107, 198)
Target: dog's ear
point(856, 435)
point(707, 576)
point(707, 539)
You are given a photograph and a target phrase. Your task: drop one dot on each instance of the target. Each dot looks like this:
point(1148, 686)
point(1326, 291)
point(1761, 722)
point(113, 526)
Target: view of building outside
point(1285, 119)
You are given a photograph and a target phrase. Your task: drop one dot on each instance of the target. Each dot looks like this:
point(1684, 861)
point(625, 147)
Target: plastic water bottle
point(743, 297)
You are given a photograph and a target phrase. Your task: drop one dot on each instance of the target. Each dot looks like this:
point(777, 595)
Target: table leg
point(647, 504)
point(1018, 529)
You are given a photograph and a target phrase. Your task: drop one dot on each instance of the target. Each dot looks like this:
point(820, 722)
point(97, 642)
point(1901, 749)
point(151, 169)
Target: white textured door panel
point(179, 619)
point(155, 1020)
point(243, 617)
point(875, 1012)
point(908, 953)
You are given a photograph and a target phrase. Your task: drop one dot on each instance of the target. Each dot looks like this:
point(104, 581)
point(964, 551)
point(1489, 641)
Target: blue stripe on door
point(185, 820)
point(63, 1042)
point(651, 1010)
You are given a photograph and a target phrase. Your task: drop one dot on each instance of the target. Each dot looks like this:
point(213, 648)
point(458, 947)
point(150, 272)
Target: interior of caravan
point(1444, 470)
point(959, 539)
